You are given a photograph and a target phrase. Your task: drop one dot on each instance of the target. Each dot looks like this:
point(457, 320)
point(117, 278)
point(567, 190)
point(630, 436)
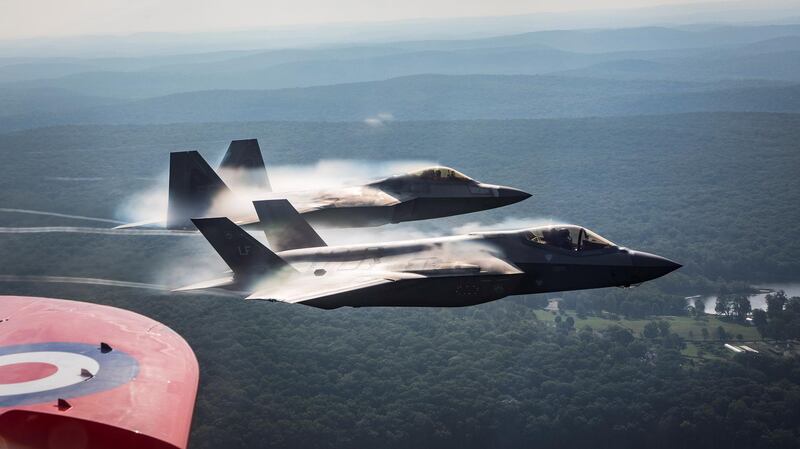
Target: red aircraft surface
point(85, 376)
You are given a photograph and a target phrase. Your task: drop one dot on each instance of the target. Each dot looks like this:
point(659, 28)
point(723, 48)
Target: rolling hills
point(432, 97)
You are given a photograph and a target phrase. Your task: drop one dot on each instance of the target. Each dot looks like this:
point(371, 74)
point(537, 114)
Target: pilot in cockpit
point(568, 237)
point(559, 237)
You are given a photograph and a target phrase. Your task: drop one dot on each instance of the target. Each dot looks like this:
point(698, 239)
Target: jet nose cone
point(649, 266)
point(511, 195)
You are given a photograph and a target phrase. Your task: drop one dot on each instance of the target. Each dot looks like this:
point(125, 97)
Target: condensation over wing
point(308, 287)
point(361, 196)
point(105, 376)
point(326, 290)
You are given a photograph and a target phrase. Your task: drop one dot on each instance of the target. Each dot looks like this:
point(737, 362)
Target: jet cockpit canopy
point(569, 237)
point(439, 173)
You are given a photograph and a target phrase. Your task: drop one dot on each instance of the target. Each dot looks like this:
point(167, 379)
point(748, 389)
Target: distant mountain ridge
point(705, 54)
point(47, 100)
point(435, 97)
point(560, 73)
point(622, 39)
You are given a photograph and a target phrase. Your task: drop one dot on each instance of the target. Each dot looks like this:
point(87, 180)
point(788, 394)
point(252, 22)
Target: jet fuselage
point(397, 201)
point(471, 269)
point(197, 191)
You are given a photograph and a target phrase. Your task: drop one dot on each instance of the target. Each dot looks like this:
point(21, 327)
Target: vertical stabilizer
point(193, 186)
point(284, 227)
point(243, 164)
point(245, 255)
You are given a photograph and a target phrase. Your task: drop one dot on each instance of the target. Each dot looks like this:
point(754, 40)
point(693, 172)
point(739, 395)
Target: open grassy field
point(689, 328)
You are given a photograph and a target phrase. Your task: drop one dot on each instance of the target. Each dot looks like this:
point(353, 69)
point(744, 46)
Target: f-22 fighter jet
point(196, 190)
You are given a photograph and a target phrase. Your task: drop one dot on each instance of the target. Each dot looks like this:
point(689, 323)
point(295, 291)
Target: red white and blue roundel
point(46, 372)
point(137, 390)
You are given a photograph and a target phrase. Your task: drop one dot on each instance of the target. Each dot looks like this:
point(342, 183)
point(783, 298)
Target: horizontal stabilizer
point(213, 283)
point(153, 224)
point(284, 227)
point(241, 251)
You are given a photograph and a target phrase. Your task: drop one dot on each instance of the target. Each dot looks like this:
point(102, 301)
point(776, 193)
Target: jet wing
point(327, 287)
point(213, 283)
point(74, 374)
point(358, 196)
point(144, 224)
point(332, 290)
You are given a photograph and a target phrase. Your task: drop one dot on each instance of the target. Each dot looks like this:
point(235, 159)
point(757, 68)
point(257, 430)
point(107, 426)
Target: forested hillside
point(495, 375)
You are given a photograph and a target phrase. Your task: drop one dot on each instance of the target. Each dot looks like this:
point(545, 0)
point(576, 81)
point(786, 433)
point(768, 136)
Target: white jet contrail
point(96, 281)
point(104, 231)
point(73, 178)
point(55, 214)
point(79, 280)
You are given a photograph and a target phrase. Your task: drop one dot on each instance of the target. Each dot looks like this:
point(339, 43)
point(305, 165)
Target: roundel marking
point(80, 369)
point(68, 370)
point(22, 372)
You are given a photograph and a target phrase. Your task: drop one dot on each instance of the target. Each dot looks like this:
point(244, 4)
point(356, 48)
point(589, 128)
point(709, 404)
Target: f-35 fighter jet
point(450, 271)
point(196, 191)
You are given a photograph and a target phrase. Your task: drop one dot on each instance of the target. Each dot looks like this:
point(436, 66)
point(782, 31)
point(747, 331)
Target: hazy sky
point(35, 18)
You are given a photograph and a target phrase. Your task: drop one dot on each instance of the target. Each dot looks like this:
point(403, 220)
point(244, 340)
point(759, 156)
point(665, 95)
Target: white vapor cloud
point(428, 229)
point(379, 120)
point(507, 224)
point(150, 204)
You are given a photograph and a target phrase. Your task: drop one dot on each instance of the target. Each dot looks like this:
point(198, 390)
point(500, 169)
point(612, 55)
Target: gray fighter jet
point(195, 190)
point(438, 272)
